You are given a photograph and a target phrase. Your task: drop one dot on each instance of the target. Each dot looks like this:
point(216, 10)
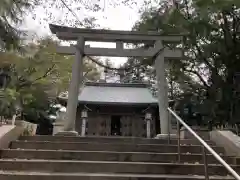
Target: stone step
point(85, 146)
point(108, 156)
point(110, 139)
point(97, 176)
point(65, 166)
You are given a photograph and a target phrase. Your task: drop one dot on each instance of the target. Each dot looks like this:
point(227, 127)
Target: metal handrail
point(205, 145)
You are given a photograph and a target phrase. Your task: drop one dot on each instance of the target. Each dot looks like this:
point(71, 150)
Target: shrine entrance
point(116, 125)
point(157, 50)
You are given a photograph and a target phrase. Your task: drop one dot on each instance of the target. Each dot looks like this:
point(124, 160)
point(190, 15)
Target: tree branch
point(29, 83)
point(226, 31)
point(198, 75)
point(211, 67)
point(187, 9)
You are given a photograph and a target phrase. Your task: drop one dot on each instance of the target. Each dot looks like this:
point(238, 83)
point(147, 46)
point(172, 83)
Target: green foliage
point(11, 15)
point(212, 50)
point(8, 99)
point(37, 78)
point(28, 131)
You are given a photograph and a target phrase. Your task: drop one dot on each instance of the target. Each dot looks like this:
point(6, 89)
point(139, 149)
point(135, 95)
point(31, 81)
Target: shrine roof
point(116, 94)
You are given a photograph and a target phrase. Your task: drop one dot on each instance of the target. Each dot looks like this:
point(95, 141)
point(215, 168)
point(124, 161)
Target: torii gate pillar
point(77, 79)
point(162, 84)
point(162, 94)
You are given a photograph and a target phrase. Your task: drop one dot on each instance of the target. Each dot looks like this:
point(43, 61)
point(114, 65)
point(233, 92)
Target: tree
point(54, 69)
point(37, 77)
point(13, 12)
point(11, 15)
point(211, 49)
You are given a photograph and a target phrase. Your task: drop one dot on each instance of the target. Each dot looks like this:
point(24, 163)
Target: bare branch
point(198, 75)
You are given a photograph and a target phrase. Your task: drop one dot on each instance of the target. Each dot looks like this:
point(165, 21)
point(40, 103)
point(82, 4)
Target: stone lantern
point(148, 119)
point(84, 116)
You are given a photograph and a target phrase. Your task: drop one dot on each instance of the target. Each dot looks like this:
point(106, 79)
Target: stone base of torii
point(157, 51)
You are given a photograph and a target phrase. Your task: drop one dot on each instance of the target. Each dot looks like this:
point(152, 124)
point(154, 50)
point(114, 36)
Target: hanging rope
point(121, 68)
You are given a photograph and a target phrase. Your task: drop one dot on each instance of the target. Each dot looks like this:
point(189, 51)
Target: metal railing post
point(169, 133)
point(205, 163)
point(178, 142)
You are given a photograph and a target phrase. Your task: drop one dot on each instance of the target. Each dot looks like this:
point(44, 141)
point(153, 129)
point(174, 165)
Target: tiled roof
point(116, 93)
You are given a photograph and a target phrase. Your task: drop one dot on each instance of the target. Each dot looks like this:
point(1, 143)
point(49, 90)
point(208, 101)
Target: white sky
point(115, 18)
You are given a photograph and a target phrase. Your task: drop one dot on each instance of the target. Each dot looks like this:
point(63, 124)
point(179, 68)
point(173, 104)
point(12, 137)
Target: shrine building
point(116, 109)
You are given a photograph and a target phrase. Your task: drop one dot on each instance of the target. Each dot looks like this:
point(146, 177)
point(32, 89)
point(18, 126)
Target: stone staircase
point(107, 158)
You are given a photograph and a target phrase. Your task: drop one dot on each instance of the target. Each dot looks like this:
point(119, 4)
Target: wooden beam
point(56, 28)
point(71, 33)
point(172, 53)
point(67, 50)
point(128, 38)
point(168, 53)
point(70, 50)
point(119, 45)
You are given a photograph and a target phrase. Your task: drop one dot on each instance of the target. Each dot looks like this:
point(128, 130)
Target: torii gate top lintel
point(119, 37)
point(71, 33)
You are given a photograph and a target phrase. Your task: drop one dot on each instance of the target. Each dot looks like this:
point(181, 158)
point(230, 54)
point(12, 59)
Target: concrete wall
point(10, 133)
point(228, 140)
point(203, 133)
point(27, 126)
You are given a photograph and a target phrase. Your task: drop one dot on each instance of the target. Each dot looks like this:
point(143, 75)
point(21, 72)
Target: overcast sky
point(116, 18)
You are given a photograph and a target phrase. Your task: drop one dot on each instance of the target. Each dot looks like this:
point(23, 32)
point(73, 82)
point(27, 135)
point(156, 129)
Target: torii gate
point(119, 37)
